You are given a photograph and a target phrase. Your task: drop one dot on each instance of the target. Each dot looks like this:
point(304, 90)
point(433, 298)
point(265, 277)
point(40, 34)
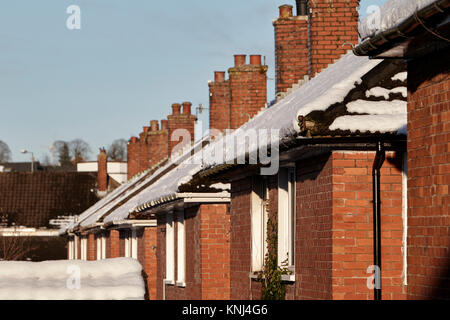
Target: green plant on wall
point(273, 287)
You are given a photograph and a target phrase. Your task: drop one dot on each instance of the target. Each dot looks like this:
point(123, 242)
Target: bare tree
point(5, 152)
point(15, 248)
point(117, 151)
point(79, 150)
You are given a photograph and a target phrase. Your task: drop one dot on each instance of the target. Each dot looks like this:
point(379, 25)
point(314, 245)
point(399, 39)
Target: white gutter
point(222, 197)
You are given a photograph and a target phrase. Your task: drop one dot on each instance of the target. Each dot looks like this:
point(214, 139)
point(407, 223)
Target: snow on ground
point(391, 14)
point(112, 279)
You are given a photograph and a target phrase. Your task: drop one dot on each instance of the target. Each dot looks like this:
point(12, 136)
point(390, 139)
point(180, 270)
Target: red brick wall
point(91, 253)
point(215, 251)
point(248, 85)
point(352, 237)
point(240, 254)
point(147, 257)
point(313, 244)
point(429, 177)
point(291, 49)
point(219, 103)
point(113, 243)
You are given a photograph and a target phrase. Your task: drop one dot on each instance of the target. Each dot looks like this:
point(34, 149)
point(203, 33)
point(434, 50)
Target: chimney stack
point(248, 89)
point(177, 121)
point(102, 173)
point(219, 102)
point(332, 26)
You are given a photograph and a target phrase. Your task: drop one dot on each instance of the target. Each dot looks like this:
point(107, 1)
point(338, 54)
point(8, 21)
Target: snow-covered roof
point(330, 87)
point(113, 279)
point(391, 14)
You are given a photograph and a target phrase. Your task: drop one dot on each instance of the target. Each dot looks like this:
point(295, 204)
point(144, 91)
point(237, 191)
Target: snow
point(402, 76)
point(378, 107)
point(391, 14)
point(383, 92)
point(113, 279)
point(330, 86)
point(371, 123)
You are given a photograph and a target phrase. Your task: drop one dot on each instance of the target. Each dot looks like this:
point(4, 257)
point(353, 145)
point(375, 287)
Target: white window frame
point(71, 249)
point(84, 248)
point(170, 249)
point(181, 250)
point(101, 247)
point(259, 218)
point(75, 247)
point(286, 217)
point(131, 246)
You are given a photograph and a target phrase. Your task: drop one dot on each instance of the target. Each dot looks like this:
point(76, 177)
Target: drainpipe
point(377, 164)
point(309, 11)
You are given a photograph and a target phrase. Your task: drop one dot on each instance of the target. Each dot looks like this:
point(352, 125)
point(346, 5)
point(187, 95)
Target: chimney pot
point(176, 109)
point(134, 140)
point(164, 124)
point(187, 107)
point(239, 60)
point(219, 76)
point(154, 125)
point(146, 129)
point(255, 60)
point(286, 11)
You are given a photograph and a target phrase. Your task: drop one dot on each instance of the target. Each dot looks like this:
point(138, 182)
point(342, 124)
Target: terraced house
point(324, 169)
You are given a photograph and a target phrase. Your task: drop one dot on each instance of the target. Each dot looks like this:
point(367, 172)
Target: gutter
point(223, 197)
point(377, 43)
point(131, 223)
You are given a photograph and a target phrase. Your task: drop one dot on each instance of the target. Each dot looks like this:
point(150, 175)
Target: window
point(181, 253)
point(170, 249)
point(286, 216)
point(131, 244)
point(259, 218)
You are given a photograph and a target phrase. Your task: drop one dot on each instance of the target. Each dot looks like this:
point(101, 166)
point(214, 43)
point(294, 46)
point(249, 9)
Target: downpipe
point(380, 157)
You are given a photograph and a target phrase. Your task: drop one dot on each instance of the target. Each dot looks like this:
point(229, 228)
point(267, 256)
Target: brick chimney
point(133, 151)
point(332, 24)
point(219, 102)
point(248, 89)
point(178, 120)
point(102, 173)
point(157, 143)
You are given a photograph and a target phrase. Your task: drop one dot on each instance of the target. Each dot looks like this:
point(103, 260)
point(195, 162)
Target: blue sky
point(129, 62)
